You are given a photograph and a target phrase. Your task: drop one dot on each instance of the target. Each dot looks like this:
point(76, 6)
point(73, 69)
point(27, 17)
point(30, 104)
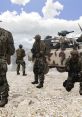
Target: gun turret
point(64, 33)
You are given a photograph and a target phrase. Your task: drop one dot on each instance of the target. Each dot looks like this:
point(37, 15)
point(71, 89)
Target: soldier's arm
point(43, 47)
point(24, 54)
point(10, 43)
point(33, 48)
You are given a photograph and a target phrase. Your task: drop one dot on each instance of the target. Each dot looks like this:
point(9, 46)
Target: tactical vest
point(20, 53)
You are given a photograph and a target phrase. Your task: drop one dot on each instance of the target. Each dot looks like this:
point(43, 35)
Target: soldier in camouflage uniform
point(74, 69)
point(20, 54)
point(38, 51)
point(6, 50)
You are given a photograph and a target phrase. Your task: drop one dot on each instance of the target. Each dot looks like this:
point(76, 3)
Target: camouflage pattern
point(74, 68)
point(38, 69)
point(38, 51)
point(37, 48)
point(20, 54)
point(6, 50)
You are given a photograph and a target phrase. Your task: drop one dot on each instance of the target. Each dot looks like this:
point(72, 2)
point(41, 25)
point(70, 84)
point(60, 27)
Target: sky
point(26, 18)
point(72, 8)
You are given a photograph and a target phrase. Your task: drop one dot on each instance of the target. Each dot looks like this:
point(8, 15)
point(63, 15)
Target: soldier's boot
point(41, 78)
point(65, 83)
point(3, 102)
point(69, 86)
point(36, 80)
point(18, 73)
point(40, 85)
point(80, 91)
point(24, 73)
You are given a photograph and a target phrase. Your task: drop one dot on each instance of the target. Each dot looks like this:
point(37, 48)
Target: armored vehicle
point(58, 54)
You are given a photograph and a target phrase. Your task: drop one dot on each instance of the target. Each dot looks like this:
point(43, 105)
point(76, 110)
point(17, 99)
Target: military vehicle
point(79, 40)
point(57, 56)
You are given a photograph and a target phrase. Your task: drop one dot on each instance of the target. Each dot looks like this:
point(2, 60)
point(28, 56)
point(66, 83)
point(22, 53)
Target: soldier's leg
point(18, 68)
point(41, 80)
point(80, 90)
point(23, 68)
point(4, 87)
point(35, 79)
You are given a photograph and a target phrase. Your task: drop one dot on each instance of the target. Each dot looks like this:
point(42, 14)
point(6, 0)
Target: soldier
point(38, 51)
point(20, 54)
point(38, 46)
point(6, 50)
point(74, 69)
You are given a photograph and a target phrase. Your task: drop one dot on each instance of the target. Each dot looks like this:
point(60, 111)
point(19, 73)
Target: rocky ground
point(25, 100)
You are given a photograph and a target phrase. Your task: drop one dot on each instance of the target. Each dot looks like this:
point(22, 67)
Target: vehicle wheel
point(59, 69)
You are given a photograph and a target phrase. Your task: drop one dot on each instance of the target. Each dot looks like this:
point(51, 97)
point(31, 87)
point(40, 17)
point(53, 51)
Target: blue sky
point(72, 8)
point(44, 17)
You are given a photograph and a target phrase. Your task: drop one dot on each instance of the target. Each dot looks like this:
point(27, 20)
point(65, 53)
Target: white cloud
point(25, 26)
point(20, 2)
point(52, 9)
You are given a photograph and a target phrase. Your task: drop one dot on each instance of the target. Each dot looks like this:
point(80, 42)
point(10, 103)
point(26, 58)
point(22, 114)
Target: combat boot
point(36, 80)
point(69, 86)
point(18, 73)
point(24, 73)
point(3, 102)
point(65, 83)
point(40, 85)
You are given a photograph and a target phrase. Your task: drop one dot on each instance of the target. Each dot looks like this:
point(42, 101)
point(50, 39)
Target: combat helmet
point(20, 46)
point(37, 37)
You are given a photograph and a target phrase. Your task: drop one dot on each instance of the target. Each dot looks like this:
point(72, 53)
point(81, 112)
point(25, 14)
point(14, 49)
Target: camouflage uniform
point(6, 50)
point(74, 69)
point(38, 70)
point(38, 51)
point(20, 53)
